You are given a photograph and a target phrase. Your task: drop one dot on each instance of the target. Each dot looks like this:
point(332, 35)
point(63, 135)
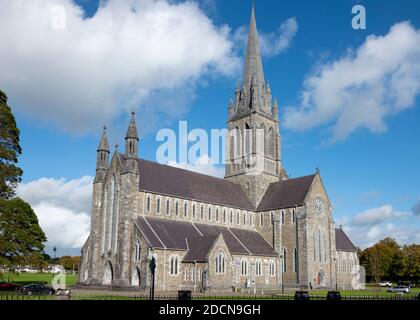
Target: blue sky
point(371, 172)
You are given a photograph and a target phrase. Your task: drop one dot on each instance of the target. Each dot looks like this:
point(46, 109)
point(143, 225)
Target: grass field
point(27, 278)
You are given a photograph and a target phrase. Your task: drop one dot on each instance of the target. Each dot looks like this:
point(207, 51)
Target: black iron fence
point(7, 296)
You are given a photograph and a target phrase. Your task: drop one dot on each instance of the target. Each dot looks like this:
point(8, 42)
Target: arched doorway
point(135, 277)
point(321, 278)
point(108, 274)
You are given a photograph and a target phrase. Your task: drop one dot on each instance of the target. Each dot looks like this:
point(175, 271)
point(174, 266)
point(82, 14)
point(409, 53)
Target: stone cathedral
point(256, 228)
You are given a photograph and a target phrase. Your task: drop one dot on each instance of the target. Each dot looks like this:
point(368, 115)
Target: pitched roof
point(180, 235)
point(286, 193)
point(342, 242)
point(199, 248)
point(185, 184)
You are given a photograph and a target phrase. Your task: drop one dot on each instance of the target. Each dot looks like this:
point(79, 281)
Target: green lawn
point(368, 292)
point(26, 278)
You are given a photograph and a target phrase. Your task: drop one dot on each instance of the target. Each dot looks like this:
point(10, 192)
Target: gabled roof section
point(342, 242)
point(199, 248)
point(171, 181)
point(198, 239)
point(286, 193)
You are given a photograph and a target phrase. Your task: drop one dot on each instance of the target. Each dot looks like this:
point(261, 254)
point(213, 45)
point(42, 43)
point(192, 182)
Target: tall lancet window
point(104, 219)
point(248, 140)
point(270, 143)
point(110, 214)
point(115, 215)
point(237, 143)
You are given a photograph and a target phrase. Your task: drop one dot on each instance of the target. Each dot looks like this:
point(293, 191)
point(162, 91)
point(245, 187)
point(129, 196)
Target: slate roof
point(342, 242)
point(198, 239)
point(185, 184)
point(286, 193)
point(199, 248)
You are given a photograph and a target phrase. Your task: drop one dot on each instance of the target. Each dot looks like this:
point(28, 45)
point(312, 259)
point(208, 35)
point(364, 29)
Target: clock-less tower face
point(319, 206)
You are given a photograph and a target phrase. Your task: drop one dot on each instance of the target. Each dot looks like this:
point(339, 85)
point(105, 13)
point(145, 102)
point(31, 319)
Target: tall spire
point(253, 65)
point(131, 146)
point(102, 158)
point(132, 129)
point(103, 145)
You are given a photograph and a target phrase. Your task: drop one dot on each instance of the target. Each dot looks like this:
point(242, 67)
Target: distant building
point(255, 228)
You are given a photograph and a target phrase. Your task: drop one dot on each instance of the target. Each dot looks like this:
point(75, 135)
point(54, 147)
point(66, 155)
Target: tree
point(383, 260)
point(10, 174)
point(70, 263)
point(21, 237)
point(411, 261)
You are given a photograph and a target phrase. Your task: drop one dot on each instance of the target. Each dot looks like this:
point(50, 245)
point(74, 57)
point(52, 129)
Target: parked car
point(6, 286)
point(385, 284)
point(400, 289)
point(37, 289)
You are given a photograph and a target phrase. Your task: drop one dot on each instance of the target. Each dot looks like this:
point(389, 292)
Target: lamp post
point(281, 271)
point(152, 266)
point(336, 274)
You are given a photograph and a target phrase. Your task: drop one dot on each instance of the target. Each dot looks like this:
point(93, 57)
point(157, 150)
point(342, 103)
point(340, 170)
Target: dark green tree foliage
point(21, 237)
point(387, 260)
point(10, 174)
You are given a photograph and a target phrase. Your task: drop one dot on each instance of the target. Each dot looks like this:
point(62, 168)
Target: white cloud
point(272, 43)
point(378, 215)
point(95, 68)
point(368, 227)
point(275, 43)
point(379, 79)
point(62, 207)
point(63, 227)
point(203, 165)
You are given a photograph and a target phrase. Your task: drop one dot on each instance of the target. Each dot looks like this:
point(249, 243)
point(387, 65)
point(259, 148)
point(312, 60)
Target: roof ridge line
point(147, 222)
point(239, 241)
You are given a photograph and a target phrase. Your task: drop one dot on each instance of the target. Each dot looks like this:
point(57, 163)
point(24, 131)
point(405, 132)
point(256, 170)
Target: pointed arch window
point(176, 208)
point(248, 140)
point(270, 143)
point(217, 214)
point(224, 216)
point(185, 209)
point(272, 268)
point(168, 207)
point(284, 262)
point(295, 261)
point(258, 268)
point(261, 219)
point(174, 265)
point(148, 203)
point(220, 263)
point(137, 251)
point(244, 267)
point(158, 205)
point(210, 215)
point(202, 212)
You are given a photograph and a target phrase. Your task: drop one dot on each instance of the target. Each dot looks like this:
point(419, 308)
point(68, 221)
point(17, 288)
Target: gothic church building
point(256, 228)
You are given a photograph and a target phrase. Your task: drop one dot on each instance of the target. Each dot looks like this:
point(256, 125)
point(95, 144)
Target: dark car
point(37, 289)
point(6, 286)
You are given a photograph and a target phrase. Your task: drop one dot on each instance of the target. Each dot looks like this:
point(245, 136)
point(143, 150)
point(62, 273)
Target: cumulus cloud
point(62, 207)
point(378, 215)
point(361, 89)
point(75, 72)
point(372, 225)
point(203, 165)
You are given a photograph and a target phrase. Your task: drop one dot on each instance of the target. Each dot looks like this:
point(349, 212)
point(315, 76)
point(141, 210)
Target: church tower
point(254, 144)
